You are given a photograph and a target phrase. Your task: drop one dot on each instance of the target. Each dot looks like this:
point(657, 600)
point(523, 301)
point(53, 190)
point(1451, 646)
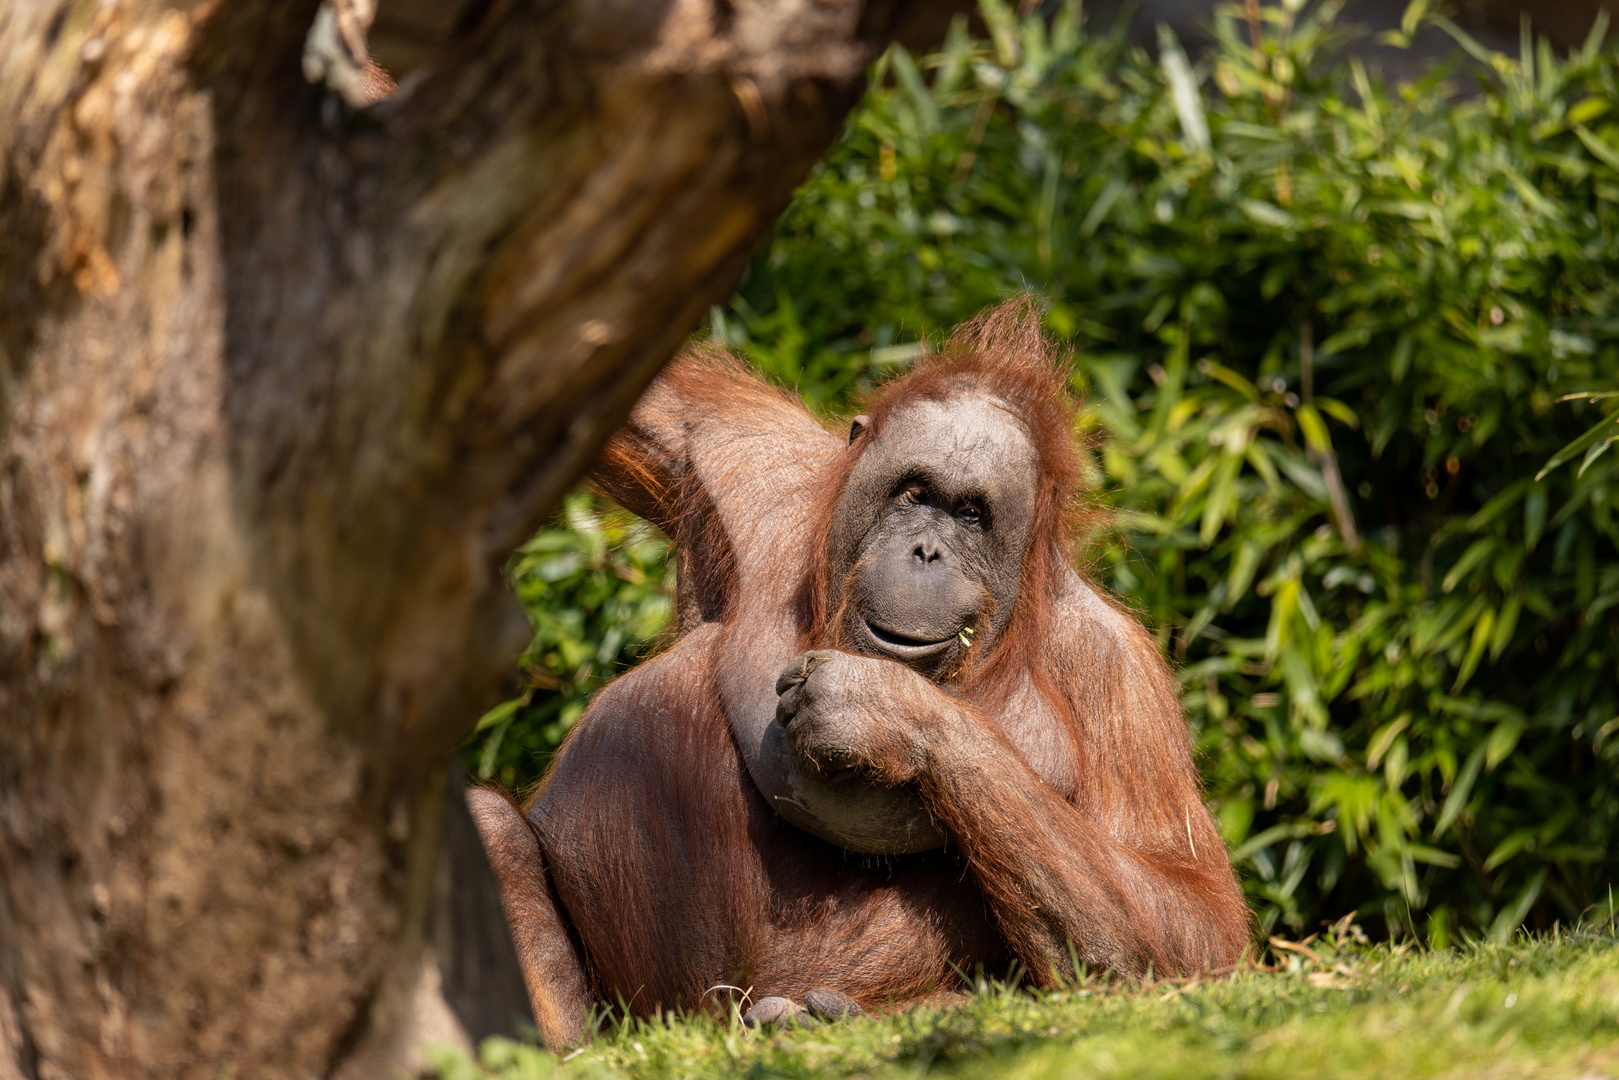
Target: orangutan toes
point(776, 1012)
point(824, 1003)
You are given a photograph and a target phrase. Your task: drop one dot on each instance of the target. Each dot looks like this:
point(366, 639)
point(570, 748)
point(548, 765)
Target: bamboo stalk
point(1325, 460)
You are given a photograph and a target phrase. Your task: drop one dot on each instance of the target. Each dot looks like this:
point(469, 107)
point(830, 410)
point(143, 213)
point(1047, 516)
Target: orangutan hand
point(845, 713)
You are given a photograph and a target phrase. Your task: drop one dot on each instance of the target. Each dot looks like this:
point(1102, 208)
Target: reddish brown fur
point(674, 873)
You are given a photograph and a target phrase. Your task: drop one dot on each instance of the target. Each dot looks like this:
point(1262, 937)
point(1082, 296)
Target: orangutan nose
point(927, 551)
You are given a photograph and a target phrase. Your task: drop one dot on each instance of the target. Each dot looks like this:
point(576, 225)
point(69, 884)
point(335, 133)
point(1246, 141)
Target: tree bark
point(281, 385)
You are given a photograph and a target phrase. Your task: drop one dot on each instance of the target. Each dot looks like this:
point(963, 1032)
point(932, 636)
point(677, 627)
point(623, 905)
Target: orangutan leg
point(551, 967)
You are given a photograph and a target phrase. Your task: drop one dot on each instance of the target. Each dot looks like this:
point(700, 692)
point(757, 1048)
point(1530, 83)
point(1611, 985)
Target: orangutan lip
point(905, 647)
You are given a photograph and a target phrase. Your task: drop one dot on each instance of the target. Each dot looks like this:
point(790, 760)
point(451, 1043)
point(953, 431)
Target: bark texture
point(281, 384)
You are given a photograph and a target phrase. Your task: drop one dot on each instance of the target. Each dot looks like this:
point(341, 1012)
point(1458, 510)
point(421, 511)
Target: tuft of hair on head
point(1004, 351)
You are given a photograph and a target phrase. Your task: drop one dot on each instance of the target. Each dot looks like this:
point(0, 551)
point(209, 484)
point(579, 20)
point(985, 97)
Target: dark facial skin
point(929, 538)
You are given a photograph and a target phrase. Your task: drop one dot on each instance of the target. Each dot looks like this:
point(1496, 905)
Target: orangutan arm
point(708, 449)
point(1131, 872)
point(1052, 875)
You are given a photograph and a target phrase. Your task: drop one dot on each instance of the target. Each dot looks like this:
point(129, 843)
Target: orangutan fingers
point(796, 692)
point(788, 704)
point(791, 677)
point(799, 671)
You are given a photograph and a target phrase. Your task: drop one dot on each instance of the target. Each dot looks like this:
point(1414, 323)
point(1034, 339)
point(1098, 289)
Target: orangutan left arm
point(1056, 877)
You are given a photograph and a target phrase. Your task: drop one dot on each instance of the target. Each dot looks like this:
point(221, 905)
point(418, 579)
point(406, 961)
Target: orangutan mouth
point(902, 647)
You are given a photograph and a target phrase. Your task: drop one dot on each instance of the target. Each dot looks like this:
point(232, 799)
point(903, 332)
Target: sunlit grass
point(1546, 1006)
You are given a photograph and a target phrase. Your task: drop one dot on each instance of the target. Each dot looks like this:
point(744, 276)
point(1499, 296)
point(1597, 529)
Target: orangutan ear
point(857, 425)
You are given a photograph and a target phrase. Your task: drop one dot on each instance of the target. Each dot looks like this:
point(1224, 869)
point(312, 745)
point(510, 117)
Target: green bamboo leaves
point(1594, 442)
point(598, 588)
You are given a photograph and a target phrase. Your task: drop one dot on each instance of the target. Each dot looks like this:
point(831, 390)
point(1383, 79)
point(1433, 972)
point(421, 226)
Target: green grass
point(1544, 1006)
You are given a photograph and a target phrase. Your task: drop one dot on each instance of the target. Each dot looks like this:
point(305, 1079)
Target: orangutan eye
point(915, 493)
point(970, 514)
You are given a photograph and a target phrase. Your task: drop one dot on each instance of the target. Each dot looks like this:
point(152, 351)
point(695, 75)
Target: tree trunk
point(281, 385)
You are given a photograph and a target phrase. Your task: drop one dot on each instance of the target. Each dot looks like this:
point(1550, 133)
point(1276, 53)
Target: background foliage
point(598, 586)
point(1351, 352)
